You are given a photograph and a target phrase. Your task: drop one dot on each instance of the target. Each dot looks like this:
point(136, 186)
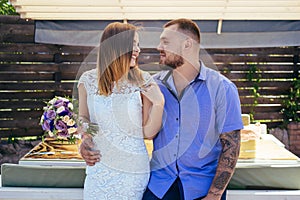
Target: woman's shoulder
point(89, 75)
point(89, 80)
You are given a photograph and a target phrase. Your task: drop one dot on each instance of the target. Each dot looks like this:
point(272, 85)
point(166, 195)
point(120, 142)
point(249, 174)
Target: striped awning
point(158, 9)
point(223, 23)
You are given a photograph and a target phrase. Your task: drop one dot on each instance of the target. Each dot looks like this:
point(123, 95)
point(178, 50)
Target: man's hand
point(89, 155)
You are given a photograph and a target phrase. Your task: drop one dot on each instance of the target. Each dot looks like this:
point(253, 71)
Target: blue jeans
point(175, 192)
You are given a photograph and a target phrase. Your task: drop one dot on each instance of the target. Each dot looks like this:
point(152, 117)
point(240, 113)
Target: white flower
point(70, 105)
point(85, 126)
point(64, 99)
point(60, 109)
point(50, 134)
point(66, 118)
point(77, 135)
point(72, 130)
point(42, 119)
point(71, 122)
point(52, 101)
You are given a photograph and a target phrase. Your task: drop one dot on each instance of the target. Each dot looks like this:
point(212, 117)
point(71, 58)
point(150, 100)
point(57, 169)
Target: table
point(255, 168)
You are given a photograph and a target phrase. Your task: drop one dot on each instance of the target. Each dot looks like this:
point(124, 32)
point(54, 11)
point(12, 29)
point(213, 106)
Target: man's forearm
point(227, 162)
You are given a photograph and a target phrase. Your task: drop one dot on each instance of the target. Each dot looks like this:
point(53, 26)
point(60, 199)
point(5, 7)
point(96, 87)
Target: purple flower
point(58, 118)
point(62, 111)
point(46, 126)
point(69, 112)
point(58, 103)
point(50, 114)
point(60, 125)
point(63, 133)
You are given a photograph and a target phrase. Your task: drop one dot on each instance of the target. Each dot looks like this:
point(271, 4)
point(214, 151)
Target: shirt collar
point(166, 75)
point(202, 74)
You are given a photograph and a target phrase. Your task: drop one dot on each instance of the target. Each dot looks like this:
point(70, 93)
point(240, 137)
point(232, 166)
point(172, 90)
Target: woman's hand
point(153, 94)
point(153, 106)
point(87, 151)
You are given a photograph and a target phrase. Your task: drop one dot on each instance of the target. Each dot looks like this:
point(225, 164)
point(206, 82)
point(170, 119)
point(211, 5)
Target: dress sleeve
point(89, 80)
point(83, 80)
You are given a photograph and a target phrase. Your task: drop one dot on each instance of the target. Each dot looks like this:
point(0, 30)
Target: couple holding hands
point(191, 112)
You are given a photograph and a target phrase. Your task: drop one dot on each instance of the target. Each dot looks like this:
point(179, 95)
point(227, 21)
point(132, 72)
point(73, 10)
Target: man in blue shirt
point(197, 148)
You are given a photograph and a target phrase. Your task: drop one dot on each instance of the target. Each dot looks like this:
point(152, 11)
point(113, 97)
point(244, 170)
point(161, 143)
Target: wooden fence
point(32, 73)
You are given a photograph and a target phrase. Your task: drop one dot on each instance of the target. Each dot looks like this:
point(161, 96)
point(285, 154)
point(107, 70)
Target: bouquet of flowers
point(59, 119)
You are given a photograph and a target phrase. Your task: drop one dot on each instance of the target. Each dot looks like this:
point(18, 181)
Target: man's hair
point(186, 26)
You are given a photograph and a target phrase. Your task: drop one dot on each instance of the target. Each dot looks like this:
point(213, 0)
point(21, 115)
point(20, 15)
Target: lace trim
point(90, 81)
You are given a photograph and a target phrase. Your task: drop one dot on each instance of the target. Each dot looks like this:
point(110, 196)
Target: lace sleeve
point(89, 80)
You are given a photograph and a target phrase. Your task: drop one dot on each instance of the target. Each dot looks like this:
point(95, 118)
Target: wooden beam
point(158, 10)
point(153, 9)
point(160, 16)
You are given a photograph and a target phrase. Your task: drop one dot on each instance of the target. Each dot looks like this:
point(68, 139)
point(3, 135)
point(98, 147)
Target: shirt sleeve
point(229, 104)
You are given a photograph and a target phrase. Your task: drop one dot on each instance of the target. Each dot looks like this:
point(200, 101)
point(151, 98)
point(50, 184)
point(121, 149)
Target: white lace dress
point(123, 171)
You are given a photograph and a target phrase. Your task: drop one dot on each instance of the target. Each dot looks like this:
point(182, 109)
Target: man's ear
point(188, 43)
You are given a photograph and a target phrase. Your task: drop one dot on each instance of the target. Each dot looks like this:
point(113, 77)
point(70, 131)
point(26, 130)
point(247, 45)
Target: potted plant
point(291, 116)
point(291, 106)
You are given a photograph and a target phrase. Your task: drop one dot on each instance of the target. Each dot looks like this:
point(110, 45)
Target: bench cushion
point(15, 175)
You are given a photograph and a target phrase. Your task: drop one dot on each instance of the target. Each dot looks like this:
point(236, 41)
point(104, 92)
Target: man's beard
point(177, 61)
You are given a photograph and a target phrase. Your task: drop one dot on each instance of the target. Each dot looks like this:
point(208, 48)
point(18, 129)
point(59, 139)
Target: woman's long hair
point(114, 57)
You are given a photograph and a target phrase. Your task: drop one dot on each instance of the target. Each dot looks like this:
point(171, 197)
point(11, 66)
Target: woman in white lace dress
point(127, 106)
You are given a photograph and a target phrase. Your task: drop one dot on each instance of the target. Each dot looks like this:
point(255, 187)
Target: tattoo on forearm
point(231, 147)
point(227, 161)
point(222, 180)
point(229, 139)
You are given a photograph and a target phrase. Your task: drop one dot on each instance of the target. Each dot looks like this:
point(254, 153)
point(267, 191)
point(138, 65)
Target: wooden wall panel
point(31, 74)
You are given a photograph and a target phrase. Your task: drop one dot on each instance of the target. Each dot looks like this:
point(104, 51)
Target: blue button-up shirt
point(188, 145)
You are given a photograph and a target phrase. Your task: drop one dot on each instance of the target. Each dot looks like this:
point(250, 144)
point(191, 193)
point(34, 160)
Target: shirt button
point(176, 135)
point(175, 154)
point(176, 118)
